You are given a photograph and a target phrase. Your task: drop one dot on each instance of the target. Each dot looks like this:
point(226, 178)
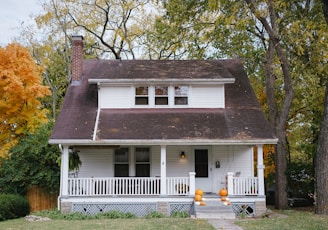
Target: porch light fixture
point(182, 155)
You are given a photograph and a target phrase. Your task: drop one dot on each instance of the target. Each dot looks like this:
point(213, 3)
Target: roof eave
point(164, 142)
point(198, 81)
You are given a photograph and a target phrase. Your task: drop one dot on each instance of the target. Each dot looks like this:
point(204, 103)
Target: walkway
point(224, 224)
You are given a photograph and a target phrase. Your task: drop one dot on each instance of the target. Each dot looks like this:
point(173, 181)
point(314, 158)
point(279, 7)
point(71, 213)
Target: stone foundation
point(66, 207)
point(260, 208)
point(163, 208)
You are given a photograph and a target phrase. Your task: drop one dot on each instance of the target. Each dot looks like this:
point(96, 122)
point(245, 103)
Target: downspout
point(96, 125)
point(98, 114)
point(61, 181)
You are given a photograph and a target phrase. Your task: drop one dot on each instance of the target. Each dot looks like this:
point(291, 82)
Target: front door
point(202, 169)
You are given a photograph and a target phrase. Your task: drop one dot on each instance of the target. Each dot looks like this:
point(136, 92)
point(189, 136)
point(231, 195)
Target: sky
point(12, 14)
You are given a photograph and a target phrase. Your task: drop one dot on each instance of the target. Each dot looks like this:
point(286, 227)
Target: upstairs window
point(181, 95)
point(142, 97)
point(161, 95)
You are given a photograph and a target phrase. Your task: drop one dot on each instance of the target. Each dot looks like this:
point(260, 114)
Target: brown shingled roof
point(242, 119)
point(160, 69)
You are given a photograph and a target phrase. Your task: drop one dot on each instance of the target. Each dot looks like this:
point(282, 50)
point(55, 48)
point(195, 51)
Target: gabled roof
point(242, 121)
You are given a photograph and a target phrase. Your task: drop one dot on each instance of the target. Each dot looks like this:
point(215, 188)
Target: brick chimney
point(77, 58)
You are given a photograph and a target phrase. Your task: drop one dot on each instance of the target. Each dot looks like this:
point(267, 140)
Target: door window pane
point(201, 163)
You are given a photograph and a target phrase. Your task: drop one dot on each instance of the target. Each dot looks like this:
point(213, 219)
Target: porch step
point(214, 209)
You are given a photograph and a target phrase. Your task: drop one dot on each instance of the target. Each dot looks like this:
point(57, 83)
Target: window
point(142, 162)
point(181, 95)
point(142, 95)
point(161, 95)
point(121, 168)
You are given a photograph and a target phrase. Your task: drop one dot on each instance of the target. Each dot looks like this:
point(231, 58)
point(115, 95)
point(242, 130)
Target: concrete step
point(214, 209)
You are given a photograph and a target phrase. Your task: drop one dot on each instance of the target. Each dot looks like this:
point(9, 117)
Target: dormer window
point(181, 95)
point(142, 97)
point(161, 95)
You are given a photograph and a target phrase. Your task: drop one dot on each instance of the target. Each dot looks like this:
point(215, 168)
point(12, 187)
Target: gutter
point(162, 142)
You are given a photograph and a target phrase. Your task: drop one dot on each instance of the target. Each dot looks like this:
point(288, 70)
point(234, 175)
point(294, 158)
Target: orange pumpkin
point(198, 198)
point(223, 192)
point(223, 198)
point(202, 203)
point(199, 192)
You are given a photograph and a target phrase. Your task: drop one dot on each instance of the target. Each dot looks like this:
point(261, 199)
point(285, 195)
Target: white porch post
point(230, 183)
point(192, 186)
point(64, 171)
point(163, 170)
point(260, 170)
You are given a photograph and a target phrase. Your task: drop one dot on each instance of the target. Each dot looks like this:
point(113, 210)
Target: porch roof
point(242, 121)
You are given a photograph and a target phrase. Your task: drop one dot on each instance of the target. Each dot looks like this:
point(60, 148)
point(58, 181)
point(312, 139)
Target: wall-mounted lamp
point(182, 155)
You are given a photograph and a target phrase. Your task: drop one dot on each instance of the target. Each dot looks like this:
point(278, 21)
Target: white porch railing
point(242, 185)
point(127, 186)
point(245, 186)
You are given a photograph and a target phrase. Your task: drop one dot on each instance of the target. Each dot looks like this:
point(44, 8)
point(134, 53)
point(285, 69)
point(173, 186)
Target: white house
point(150, 132)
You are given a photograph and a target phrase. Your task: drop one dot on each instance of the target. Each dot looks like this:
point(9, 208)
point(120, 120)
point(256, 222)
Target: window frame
point(142, 163)
point(118, 163)
point(137, 96)
point(171, 96)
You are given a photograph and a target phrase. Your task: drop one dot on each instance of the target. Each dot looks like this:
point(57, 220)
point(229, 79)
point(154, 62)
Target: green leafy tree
point(31, 162)
point(282, 52)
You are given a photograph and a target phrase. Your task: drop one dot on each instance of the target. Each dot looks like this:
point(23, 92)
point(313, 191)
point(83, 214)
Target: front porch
point(142, 196)
point(170, 187)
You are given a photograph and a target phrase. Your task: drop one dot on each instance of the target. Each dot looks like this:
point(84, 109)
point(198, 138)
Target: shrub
point(13, 206)
point(182, 214)
point(155, 215)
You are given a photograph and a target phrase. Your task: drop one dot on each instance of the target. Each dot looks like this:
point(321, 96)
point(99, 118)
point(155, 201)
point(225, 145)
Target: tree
point(31, 162)
point(281, 49)
point(321, 206)
point(114, 28)
point(21, 110)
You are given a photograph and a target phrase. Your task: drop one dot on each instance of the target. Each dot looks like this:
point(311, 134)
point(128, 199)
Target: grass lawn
point(277, 220)
point(286, 220)
point(124, 224)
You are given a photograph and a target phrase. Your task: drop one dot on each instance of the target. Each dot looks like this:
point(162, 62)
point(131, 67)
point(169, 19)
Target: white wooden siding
point(207, 97)
point(99, 163)
point(198, 97)
point(232, 159)
point(96, 163)
point(116, 97)
point(175, 165)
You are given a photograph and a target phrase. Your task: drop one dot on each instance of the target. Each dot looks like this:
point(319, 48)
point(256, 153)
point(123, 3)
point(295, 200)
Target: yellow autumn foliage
point(21, 91)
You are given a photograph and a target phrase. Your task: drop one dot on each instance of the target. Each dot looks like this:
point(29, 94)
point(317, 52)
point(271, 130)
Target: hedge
point(13, 206)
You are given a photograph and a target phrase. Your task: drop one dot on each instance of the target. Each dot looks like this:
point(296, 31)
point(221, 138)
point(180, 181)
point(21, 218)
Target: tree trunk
point(321, 169)
point(321, 203)
point(281, 198)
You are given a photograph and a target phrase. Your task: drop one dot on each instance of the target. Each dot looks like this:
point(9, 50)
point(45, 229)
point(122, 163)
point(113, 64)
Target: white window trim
point(151, 97)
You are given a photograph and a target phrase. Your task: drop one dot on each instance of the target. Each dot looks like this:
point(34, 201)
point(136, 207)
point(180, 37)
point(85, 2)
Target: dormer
point(161, 84)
